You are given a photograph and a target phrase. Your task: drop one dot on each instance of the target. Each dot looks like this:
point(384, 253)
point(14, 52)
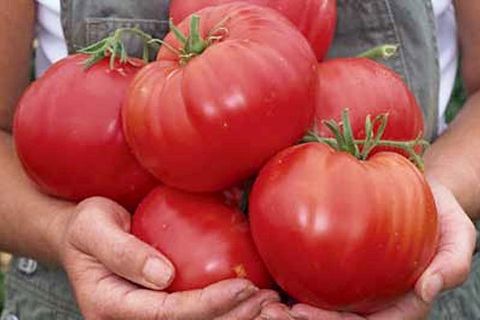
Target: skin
point(99, 257)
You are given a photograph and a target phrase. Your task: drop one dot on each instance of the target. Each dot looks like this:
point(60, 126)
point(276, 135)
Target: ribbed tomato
point(210, 116)
point(316, 19)
point(340, 233)
point(68, 133)
point(366, 87)
point(206, 239)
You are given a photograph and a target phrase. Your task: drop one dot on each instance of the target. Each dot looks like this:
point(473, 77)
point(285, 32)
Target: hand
point(116, 276)
point(449, 268)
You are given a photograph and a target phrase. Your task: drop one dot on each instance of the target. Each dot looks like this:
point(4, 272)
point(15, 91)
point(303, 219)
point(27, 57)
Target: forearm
point(454, 159)
point(30, 223)
point(16, 38)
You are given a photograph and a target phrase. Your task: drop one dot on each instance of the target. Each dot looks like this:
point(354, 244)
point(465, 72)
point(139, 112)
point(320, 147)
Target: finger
point(410, 307)
point(312, 313)
point(451, 265)
point(103, 232)
point(278, 311)
point(209, 303)
point(252, 307)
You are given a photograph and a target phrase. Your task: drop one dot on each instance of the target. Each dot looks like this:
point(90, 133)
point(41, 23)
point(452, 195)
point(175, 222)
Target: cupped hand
point(449, 268)
point(116, 276)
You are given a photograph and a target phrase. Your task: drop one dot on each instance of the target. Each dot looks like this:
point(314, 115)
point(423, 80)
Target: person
point(115, 276)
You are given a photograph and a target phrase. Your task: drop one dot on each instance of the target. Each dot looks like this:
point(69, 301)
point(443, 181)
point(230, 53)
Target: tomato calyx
point(345, 141)
point(114, 47)
point(194, 44)
point(385, 51)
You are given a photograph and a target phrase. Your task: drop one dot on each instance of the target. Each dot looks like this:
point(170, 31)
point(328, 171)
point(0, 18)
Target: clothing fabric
point(37, 292)
point(51, 41)
point(446, 26)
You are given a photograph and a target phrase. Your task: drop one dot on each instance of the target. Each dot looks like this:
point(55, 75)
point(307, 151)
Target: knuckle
point(164, 311)
point(93, 202)
point(120, 249)
point(205, 297)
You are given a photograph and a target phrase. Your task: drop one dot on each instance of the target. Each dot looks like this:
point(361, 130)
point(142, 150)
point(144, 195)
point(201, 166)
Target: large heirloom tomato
point(68, 133)
point(206, 239)
point(207, 117)
point(343, 234)
point(316, 19)
point(366, 87)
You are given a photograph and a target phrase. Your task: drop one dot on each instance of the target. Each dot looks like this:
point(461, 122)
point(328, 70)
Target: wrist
point(55, 232)
point(461, 179)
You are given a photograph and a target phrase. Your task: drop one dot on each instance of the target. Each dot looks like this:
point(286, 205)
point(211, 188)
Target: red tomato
point(213, 121)
point(366, 87)
point(316, 19)
point(69, 138)
point(343, 234)
point(206, 239)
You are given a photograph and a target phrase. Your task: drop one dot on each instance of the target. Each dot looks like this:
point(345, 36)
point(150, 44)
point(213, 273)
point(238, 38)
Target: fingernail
point(432, 288)
point(158, 272)
point(246, 292)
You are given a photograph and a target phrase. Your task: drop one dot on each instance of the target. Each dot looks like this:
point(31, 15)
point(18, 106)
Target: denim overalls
point(37, 292)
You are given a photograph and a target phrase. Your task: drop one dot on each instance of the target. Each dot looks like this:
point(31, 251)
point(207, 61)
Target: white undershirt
point(448, 51)
point(52, 47)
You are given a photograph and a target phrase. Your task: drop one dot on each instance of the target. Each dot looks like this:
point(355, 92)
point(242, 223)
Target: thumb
point(450, 267)
point(104, 234)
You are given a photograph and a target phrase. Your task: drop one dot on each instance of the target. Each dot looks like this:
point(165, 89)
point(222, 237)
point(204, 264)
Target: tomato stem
point(114, 47)
point(178, 33)
point(385, 51)
point(194, 44)
point(348, 134)
point(344, 141)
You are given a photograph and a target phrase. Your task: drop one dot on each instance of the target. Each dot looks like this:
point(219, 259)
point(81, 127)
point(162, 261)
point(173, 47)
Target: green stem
point(344, 140)
point(348, 135)
point(408, 146)
point(114, 47)
point(385, 51)
point(178, 33)
point(195, 44)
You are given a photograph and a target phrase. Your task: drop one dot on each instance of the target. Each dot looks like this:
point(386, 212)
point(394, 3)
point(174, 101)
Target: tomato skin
point(206, 239)
point(316, 19)
point(68, 134)
point(210, 124)
point(366, 87)
point(343, 234)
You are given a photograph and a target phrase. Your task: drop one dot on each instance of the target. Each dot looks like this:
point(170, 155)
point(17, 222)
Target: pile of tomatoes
point(343, 222)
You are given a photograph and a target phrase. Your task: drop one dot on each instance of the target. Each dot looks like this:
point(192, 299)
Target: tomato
point(68, 133)
point(343, 234)
point(206, 239)
point(316, 19)
point(366, 87)
point(207, 120)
